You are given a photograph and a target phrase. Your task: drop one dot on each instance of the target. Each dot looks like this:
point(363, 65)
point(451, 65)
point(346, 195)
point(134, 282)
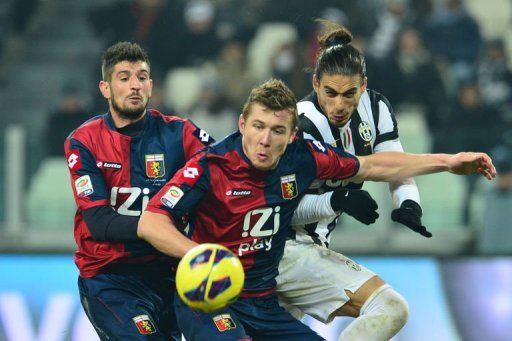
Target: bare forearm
point(396, 166)
point(159, 230)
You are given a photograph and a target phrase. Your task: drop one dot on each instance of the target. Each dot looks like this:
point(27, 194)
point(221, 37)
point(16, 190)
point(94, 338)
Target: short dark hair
point(120, 52)
point(274, 95)
point(336, 55)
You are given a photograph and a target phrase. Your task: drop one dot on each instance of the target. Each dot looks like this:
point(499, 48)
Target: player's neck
point(121, 122)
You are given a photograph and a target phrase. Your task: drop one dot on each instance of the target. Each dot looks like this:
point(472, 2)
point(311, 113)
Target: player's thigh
point(197, 326)
point(317, 280)
point(123, 308)
point(265, 319)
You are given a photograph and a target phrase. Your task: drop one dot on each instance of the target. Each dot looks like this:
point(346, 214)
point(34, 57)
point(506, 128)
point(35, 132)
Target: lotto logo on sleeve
point(83, 186)
point(171, 198)
point(224, 322)
point(73, 159)
point(144, 324)
point(190, 172)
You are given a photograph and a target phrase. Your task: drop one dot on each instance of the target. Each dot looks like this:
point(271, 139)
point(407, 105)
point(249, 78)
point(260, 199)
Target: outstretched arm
point(396, 166)
point(159, 230)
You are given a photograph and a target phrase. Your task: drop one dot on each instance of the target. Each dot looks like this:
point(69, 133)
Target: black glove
point(356, 203)
point(410, 214)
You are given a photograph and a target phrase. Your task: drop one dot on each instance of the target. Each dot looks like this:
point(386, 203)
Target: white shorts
point(312, 280)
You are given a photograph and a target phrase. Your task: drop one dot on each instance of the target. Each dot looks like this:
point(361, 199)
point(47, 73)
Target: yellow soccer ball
point(209, 277)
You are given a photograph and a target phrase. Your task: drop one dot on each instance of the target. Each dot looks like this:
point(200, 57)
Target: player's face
point(129, 90)
point(266, 133)
point(338, 96)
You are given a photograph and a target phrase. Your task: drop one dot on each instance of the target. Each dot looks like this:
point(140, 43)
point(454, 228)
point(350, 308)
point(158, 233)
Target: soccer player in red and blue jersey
point(242, 192)
point(118, 161)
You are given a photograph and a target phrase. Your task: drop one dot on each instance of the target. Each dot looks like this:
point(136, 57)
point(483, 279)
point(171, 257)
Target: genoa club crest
point(144, 324)
point(224, 322)
point(289, 186)
point(155, 165)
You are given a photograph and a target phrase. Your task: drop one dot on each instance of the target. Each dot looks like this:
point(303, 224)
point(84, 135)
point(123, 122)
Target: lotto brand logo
point(73, 159)
point(239, 192)
point(190, 172)
point(107, 164)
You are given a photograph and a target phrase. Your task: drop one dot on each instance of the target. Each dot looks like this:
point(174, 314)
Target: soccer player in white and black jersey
point(343, 112)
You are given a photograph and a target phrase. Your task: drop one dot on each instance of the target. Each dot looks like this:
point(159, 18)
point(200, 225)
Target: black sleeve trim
point(105, 224)
point(392, 135)
point(307, 126)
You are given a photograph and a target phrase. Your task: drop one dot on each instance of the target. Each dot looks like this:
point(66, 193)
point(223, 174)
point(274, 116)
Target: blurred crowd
point(429, 55)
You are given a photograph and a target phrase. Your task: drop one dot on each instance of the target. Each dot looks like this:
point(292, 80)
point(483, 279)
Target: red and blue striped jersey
point(110, 168)
point(228, 201)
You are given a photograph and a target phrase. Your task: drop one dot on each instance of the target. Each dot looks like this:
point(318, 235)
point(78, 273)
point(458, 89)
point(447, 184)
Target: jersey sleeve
point(183, 191)
point(386, 126)
point(400, 190)
point(89, 188)
point(194, 139)
point(332, 163)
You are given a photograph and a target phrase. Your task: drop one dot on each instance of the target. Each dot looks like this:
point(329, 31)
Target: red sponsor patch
point(224, 322)
point(144, 324)
point(73, 158)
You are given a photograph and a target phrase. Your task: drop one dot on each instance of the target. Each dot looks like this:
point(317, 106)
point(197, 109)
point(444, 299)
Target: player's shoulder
point(308, 106)
point(373, 97)
point(166, 118)
point(91, 127)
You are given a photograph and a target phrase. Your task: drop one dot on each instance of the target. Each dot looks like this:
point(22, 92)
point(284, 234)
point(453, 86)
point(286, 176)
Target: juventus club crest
point(365, 131)
point(155, 166)
point(289, 186)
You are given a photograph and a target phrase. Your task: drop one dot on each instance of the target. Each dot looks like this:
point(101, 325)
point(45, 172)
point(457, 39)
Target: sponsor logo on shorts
point(144, 324)
point(171, 198)
point(224, 322)
point(83, 186)
point(353, 265)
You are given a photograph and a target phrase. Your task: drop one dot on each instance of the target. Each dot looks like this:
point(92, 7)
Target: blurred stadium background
point(444, 64)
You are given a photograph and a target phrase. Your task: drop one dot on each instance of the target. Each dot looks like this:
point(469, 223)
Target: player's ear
point(150, 87)
point(105, 89)
point(316, 83)
point(241, 122)
point(293, 135)
point(365, 84)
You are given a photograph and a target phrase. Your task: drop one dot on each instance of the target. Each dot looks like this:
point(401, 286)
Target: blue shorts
point(258, 318)
point(130, 307)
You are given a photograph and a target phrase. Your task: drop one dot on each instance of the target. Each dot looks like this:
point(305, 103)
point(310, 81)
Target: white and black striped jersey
point(371, 129)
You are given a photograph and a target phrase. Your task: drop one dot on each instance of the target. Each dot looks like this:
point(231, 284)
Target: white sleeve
point(400, 190)
point(312, 208)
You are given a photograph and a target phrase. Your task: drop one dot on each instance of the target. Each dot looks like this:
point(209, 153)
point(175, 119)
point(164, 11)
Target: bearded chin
point(126, 113)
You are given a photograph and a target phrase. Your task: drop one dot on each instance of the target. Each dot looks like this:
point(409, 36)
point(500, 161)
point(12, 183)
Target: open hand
point(472, 163)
